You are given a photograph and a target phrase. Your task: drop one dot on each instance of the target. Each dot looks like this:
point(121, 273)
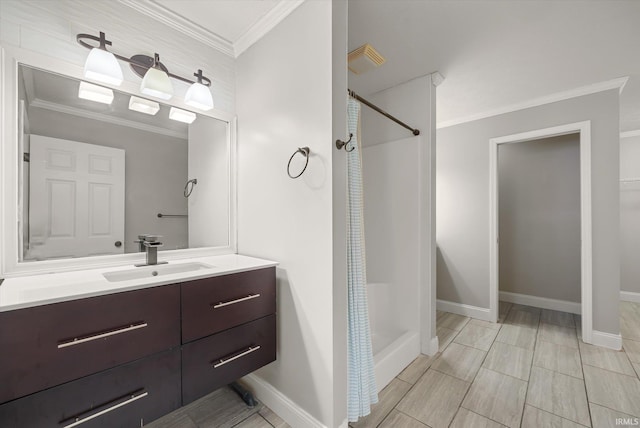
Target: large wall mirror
point(93, 174)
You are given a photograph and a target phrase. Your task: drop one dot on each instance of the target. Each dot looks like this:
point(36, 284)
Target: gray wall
point(155, 172)
point(463, 199)
point(539, 217)
point(630, 215)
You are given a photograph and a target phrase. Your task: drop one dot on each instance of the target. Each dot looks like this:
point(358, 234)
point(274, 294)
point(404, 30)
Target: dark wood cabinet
point(125, 359)
point(209, 363)
point(215, 304)
point(127, 396)
point(47, 345)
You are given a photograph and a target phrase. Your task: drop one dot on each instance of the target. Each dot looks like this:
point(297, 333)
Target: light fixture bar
point(80, 38)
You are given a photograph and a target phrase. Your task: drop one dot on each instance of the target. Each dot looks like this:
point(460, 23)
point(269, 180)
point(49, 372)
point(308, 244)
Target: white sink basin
point(151, 271)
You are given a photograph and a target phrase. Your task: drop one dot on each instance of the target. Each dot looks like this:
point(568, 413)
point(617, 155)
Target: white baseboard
point(629, 296)
point(434, 346)
point(541, 302)
point(462, 309)
point(429, 346)
point(607, 340)
point(282, 405)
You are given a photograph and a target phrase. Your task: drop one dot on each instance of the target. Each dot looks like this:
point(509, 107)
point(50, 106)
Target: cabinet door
point(127, 396)
point(209, 363)
point(48, 345)
point(215, 304)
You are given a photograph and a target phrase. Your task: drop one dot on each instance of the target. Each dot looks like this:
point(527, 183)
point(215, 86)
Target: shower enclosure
point(391, 213)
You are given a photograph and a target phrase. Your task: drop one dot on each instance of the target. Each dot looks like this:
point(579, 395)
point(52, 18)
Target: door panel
point(76, 199)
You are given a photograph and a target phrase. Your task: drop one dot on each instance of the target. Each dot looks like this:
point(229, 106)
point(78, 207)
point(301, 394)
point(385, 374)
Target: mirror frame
point(10, 193)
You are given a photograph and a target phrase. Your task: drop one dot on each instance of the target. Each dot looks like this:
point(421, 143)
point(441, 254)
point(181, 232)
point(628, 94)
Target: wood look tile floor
point(530, 370)
point(223, 408)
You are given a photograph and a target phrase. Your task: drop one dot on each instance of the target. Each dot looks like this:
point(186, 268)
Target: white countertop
point(28, 291)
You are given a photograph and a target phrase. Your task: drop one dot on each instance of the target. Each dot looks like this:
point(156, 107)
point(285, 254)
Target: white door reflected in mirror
point(76, 199)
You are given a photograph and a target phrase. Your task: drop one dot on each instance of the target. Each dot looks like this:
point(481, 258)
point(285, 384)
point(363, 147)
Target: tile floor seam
point(395, 407)
point(471, 384)
point(479, 349)
point(431, 368)
point(469, 410)
point(561, 417)
point(270, 424)
point(607, 370)
point(409, 416)
point(535, 345)
point(390, 411)
point(606, 407)
point(586, 391)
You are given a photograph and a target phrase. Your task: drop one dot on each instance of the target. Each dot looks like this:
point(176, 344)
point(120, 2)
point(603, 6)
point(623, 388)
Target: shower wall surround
point(414, 102)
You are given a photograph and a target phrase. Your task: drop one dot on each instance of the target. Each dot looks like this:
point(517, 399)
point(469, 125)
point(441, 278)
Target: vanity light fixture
point(143, 106)
point(156, 80)
point(198, 95)
point(101, 65)
point(181, 115)
point(89, 91)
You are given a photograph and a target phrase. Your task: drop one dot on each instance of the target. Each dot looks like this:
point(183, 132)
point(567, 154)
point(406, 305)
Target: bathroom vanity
point(125, 353)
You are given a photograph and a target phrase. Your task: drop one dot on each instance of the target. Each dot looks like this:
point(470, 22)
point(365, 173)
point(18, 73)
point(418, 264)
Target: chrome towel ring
point(305, 152)
point(188, 189)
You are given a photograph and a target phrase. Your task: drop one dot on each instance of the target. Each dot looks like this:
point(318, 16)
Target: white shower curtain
point(362, 382)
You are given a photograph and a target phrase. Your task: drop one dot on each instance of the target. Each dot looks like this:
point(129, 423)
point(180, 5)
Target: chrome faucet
point(150, 244)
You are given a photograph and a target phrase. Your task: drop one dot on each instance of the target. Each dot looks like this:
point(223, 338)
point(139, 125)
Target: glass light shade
point(88, 91)
point(102, 66)
point(143, 106)
point(181, 115)
point(156, 83)
point(199, 96)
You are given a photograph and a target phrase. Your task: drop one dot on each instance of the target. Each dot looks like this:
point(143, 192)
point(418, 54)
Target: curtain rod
point(382, 112)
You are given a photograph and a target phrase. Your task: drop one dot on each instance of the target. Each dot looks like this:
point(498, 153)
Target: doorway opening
point(582, 131)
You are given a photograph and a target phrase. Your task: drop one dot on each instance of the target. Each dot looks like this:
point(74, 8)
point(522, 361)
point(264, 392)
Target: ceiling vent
point(364, 58)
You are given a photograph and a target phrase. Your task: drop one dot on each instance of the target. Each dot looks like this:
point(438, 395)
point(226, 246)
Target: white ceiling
point(499, 53)
point(492, 53)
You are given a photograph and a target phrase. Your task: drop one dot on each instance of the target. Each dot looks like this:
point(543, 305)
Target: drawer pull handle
point(224, 361)
point(79, 340)
point(232, 302)
point(127, 399)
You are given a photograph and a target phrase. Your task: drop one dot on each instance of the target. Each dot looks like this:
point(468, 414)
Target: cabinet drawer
point(212, 362)
point(127, 396)
point(215, 304)
point(48, 345)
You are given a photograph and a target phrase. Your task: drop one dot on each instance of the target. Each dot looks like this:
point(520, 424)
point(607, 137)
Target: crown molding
point(264, 25)
point(547, 99)
point(48, 105)
point(181, 24)
point(629, 134)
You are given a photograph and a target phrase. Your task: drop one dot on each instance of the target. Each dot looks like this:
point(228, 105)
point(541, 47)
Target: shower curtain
point(362, 382)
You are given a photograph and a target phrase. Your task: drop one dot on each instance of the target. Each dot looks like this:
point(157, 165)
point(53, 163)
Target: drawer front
point(215, 304)
point(217, 360)
point(48, 345)
point(127, 396)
